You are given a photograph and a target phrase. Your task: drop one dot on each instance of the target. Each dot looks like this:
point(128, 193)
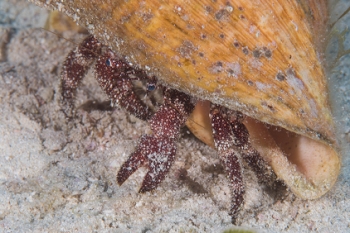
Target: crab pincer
point(157, 151)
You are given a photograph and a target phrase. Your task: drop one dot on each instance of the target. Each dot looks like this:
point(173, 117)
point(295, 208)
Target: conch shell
point(262, 58)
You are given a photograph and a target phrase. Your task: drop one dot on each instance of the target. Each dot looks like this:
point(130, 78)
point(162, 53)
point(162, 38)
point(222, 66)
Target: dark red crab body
point(157, 151)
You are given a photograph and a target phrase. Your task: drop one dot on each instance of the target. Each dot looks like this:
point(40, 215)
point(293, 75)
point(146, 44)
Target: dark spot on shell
point(318, 135)
point(208, 9)
point(257, 53)
point(224, 13)
point(146, 17)
point(189, 26)
point(240, 8)
point(236, 44)
point(222, 36)
point(141, 45)
point(280, 76)
point(267, 52)
point(217, 90)
point(216, 68)
point(193, 62)
point(250, 83)
point(186, 49)
point(245, 50)
point(203, 36)
point(241, 16)
point(264, 51)
point(220, 14)
point(290, 72)
point(230, 71)
point(124, 19)
point(201, 54)
point(270, 107)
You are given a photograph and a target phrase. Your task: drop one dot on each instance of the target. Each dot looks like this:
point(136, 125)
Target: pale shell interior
point(308, 167)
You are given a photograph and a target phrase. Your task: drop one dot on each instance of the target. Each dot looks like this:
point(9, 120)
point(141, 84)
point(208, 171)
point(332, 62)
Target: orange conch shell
point(262, 58)
point(258, 57)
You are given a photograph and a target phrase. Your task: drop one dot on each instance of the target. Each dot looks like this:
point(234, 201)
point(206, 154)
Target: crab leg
point(75, 67)
point(157, 151)
point(250, 155)
point(113, 75)
point(157, 154)
point(264, 172)
point(223, 138)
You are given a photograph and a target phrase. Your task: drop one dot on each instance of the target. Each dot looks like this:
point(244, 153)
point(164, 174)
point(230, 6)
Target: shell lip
point(307, 166)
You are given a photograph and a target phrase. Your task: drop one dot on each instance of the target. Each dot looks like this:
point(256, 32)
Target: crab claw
point(155, 153)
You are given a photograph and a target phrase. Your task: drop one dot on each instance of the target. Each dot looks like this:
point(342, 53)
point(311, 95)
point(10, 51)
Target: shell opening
point(308, 167)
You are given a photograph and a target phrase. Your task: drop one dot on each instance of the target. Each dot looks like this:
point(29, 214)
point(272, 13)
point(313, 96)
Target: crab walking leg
point(157, 151)
point(223, 139)
point(113, 75)
point(250, 155)
point(262, 170)
point(233, 170)
point(75, 67)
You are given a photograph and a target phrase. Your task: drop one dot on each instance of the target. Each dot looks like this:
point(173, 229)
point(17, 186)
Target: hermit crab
point(258, 62)
point(158, 151)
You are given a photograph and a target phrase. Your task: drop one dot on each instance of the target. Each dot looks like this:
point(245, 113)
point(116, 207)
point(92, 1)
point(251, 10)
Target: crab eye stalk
point(151, 86)
point(108, 62)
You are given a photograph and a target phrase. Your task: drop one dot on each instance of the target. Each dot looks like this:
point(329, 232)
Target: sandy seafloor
point(60, 176)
